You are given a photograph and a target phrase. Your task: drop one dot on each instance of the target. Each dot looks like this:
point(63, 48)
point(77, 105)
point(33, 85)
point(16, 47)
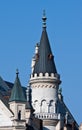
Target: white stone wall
point(15, 107)
point(4, 119)
point(45, 96)
point(5, 115)
point(44, 99)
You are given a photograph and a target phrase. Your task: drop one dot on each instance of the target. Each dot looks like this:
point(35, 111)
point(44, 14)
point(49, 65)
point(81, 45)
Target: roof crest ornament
point(44, 19)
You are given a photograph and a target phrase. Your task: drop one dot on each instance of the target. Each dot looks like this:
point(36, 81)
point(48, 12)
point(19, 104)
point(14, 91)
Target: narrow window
point(19, 115)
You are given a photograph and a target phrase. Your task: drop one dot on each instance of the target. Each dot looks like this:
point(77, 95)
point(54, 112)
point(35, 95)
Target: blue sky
point(20, 30)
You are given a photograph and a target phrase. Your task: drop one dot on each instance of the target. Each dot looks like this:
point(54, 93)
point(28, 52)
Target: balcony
point(46, 115)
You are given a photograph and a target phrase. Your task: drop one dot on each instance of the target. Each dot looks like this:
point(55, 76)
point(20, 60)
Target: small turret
point(60, 94)
point(36, 48)
point(35, 57)
point(33, 64)
point(17, 104)
point(29, 98)
point(29, 108)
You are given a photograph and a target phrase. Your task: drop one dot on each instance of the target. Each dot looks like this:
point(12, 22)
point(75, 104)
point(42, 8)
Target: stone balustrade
point(46, 115)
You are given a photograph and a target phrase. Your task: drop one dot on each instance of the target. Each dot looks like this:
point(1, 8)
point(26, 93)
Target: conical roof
point(17, 91)
point(45, 62)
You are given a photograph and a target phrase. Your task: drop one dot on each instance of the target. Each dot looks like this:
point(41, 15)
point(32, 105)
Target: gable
point(5, 115)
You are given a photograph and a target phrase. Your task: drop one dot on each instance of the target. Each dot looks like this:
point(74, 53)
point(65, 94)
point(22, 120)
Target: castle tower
point(17, 104)
point(45, 83)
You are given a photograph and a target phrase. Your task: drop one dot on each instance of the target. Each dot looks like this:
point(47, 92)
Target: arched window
point(36, 106)
point(44, 106)
point(51, 106)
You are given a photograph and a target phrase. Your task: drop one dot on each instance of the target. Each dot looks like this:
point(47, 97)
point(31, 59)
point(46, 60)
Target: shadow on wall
point(44, 128)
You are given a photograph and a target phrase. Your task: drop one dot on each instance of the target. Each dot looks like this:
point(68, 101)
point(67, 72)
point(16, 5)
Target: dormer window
point(50, 56)
point(37, 56)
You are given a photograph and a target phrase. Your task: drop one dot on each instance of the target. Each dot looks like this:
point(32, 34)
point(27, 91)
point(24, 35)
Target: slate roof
point(17, 91)
point(3, 100)
point(3, 86)
point(45, 61)
point(63, 109)
point(5, 92)
point(11, 86)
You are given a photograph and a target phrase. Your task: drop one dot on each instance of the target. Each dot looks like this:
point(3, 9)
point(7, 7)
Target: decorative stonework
point(45, 81)
point(46, 75)
point(43, 86)
point(47, 116)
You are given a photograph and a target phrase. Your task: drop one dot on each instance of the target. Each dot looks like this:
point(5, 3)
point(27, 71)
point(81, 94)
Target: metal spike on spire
point(17, 72)
point(44, 19)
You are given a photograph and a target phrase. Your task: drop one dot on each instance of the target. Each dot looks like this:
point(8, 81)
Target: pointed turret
point(17, 104)
point(45, 61)
point(17, 92)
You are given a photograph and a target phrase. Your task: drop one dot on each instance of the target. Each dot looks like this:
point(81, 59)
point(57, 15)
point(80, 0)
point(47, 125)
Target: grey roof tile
point(45, 62)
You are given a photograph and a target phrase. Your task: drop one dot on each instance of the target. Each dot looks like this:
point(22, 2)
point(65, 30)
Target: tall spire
point(44, 19)
point(17, 91)
point(45, 62)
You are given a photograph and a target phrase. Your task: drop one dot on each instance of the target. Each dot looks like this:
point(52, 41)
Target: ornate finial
point(44, 19)
point(17, 72)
